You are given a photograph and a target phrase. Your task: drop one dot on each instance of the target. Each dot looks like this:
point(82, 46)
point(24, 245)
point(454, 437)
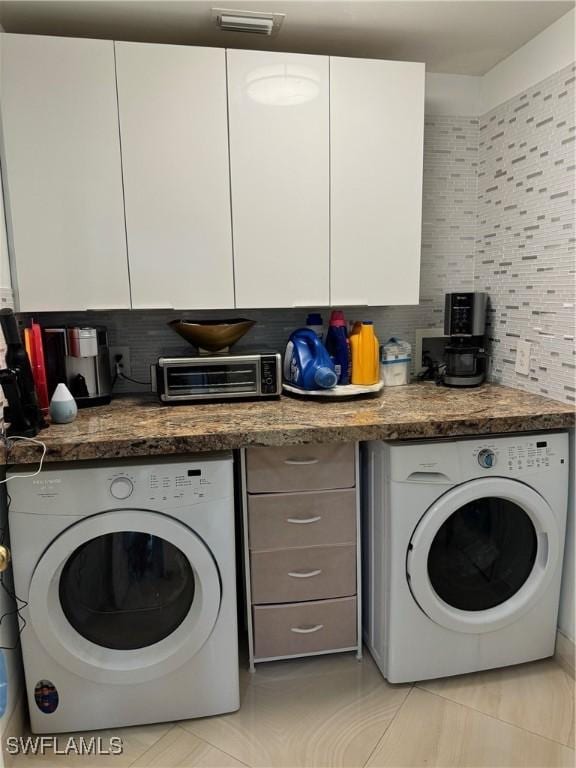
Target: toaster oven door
point(210, 379)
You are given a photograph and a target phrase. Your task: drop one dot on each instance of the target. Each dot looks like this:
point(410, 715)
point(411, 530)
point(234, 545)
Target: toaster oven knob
point(121, 488)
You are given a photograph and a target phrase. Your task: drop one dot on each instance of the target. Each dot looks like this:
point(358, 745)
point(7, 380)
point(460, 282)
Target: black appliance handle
point(15, 412)
point(9, 326)
point(17, 381)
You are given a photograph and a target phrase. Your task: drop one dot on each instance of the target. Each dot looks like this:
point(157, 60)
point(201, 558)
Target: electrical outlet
point(523, 357)
point(124, 362)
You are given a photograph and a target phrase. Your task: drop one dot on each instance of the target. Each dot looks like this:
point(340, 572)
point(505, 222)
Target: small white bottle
point(63, 408)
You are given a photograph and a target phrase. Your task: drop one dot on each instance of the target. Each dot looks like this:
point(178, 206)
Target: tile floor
point(336, 711)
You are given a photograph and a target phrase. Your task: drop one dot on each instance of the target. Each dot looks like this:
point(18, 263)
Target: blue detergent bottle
point(307, 364)
point(338, 346)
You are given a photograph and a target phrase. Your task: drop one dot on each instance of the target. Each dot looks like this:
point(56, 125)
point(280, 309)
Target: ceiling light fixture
point(255, 22)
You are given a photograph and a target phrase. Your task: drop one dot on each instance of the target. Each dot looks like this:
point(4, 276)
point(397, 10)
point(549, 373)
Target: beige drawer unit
point(297, 629)
point(304, 573)
point(300, 468)
point(281, 520)
point(301, 555)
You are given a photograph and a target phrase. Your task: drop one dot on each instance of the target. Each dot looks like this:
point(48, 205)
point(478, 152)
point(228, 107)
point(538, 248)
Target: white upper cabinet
point(376, 149)
point(173, 122)
point(279, 158)
point(152, 175)
point(62, 173)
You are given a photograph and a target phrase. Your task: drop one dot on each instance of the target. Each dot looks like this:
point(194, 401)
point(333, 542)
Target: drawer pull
point(301, 462)
point(303, 520)
point(304, 574)
point(307, 630)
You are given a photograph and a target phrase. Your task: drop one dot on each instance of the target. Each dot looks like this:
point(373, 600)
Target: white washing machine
point(463, 552)
point(128, 569)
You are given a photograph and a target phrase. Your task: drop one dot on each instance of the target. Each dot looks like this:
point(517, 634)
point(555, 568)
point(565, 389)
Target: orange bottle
point(365, 348)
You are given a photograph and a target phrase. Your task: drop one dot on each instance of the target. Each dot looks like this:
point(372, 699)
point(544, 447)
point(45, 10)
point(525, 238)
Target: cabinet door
point(376, 150)
point(279, 157)
point(173, 122)
point(63, 174)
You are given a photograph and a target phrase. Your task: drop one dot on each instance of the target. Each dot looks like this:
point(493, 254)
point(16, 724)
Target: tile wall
point(525, 255)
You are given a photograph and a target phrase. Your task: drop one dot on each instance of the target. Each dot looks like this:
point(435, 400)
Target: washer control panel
point(449, 462)
point(528, 456)
point(517, 456)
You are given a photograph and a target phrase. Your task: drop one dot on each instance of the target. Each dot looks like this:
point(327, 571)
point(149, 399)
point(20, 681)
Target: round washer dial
point(486, 458)
point(121, 488)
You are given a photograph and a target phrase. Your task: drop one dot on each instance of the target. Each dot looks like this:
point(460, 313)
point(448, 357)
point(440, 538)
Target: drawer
point(300, 468)
point(307, 573)
point(281, 520)
point(287, 630)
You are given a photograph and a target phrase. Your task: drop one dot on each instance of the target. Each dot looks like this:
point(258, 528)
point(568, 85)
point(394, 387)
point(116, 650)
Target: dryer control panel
point(86, 488)
point(170, 484)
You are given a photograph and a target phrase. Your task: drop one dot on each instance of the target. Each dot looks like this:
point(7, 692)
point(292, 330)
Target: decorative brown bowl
point(212, 335)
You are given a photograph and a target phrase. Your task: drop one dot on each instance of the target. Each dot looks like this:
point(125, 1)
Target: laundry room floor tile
point(323, 711)
point(434, 732)
point(538, 697)
point(331, 711)
point(179, 748)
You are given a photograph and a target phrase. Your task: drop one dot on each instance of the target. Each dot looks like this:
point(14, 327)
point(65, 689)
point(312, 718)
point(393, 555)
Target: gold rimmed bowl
point(212, 335)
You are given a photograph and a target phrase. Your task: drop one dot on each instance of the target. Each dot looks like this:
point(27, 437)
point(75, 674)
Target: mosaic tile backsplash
point(525, 244)
point(497, 217)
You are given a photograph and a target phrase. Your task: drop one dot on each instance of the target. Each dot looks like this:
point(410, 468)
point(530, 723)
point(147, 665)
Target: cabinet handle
point(304, 574)
point(302, 462)
point(303, 520)
point(306, 630)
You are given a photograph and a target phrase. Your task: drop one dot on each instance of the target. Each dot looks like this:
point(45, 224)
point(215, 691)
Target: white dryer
point(463, 552)
point(128, 571)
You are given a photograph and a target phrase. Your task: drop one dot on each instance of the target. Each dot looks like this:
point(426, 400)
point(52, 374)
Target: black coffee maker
point(465, 323)
point(22, 412)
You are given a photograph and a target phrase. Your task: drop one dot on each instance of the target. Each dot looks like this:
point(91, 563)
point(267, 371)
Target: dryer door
point(483, 554)
point(125, 596)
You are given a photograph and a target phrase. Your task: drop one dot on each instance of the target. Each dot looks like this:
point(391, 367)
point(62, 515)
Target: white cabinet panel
point(62, 173)
point(376, 149)
point(173, 120)
point(279, 157)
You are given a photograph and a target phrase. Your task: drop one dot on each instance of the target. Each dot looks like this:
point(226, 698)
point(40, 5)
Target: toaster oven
point(217, 377)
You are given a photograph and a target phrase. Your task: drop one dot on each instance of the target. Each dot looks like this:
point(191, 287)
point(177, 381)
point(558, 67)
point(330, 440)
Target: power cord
point(19, 603)
point(119, 373)
point(134, 381)
point(7, 441)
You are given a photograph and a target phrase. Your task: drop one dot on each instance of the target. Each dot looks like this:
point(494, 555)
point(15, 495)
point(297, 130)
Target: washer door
point(483, 554)
point(125, 596)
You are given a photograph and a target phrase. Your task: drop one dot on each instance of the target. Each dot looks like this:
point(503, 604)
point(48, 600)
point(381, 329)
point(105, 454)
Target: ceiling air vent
point(255, 22)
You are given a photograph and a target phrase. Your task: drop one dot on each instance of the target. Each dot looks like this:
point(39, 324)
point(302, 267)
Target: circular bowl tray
point(348, 390)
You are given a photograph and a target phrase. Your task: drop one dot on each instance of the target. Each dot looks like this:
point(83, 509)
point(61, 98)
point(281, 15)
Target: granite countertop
point(141, 426)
